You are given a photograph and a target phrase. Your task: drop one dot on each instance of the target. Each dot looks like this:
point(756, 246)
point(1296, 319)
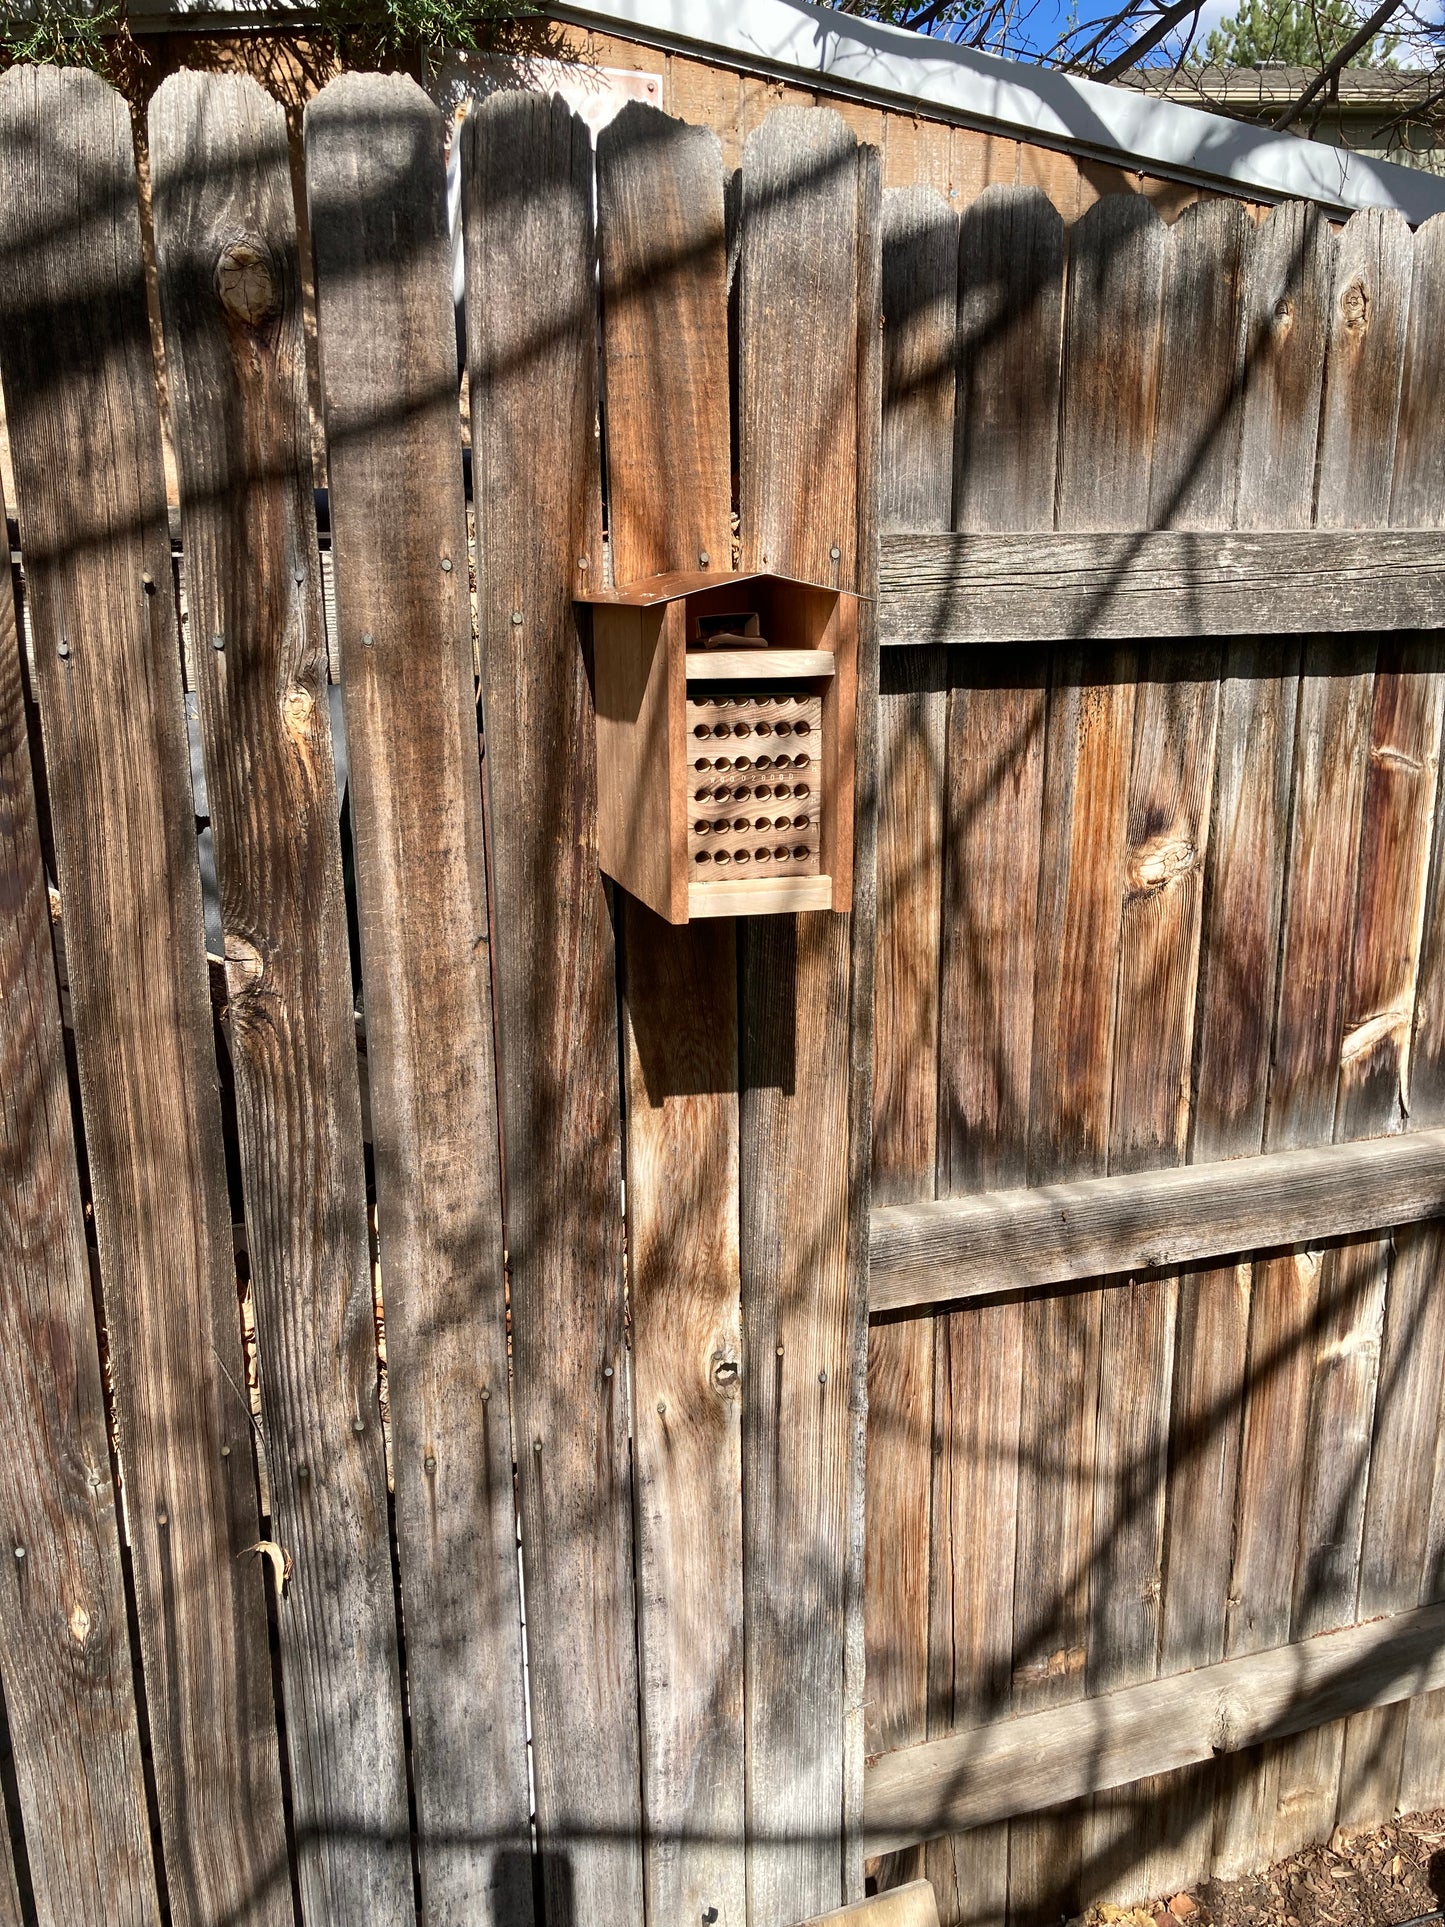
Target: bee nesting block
point(754, 782)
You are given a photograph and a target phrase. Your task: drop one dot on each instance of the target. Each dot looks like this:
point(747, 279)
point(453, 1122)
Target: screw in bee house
point(446, 565)
point(583, 562)
point(703, 558)
point(835, 552)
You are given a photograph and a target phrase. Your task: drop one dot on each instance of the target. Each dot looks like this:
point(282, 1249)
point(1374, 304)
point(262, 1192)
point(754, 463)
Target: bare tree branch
point(1168, 20)
point(1338, 62)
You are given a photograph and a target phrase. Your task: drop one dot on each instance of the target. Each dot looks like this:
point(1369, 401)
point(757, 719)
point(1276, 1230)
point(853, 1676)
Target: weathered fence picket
point(80, 404)
point(69, 1698)
point(527, 192)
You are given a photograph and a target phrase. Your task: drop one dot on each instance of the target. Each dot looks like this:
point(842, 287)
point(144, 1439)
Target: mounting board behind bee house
point(725, 738)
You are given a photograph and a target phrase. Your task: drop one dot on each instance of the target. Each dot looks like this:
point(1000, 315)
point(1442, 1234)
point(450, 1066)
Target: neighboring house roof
point(891, 67)
point(1375, 108)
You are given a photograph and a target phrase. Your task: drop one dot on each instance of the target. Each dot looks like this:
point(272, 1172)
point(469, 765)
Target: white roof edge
point(891, 67)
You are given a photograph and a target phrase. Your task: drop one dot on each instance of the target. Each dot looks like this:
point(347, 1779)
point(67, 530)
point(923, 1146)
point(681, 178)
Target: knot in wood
point(245, 967)
point(1282, 321)
point(1153, 866)
point(1355, 306)
point(246, 283)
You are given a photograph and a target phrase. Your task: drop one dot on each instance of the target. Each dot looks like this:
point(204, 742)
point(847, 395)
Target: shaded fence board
point(1117, 1738)
point(1158, 582)
point(230, 293)
point(803, 1308)
point(527, 186)
point(377, 201)
point(75, 354)
point(666, 405)
point(920, 280)
point(66, 1668)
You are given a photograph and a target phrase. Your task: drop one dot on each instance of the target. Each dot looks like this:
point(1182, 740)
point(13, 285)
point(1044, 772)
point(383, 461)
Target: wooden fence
point(321, 1297)
point(1157, 858)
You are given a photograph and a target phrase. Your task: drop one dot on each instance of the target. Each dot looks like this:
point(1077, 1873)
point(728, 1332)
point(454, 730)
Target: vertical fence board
point(920, 279)
point(527, 187)
point(1110, 370)
point(1369, 304)
point(666, 403)
point(66, 1671)
point(1415, 1327)
point(376, 192)
point(1287, 270)
point(804, 1302)
point(84, 433)
point(230, 297)
point(1011, 281)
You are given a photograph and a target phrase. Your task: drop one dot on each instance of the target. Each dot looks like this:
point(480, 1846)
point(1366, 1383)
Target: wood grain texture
point(527, 188)
point(803, 1308)
point(1288, 268)
point(664, 359)
point(80, 407)
point(377, 200)
point(913, 1905)
point(1354, 466)
point(69, 1690)
point(1039, 1759)
point(1010, 313)
point(1413, 1322)
point(1102, 587)
point(920, 279)
point(798, 268)
point(230, 295)
point(665, 382)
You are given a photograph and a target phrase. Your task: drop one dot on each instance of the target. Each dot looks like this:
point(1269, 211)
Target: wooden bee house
point(725, 731)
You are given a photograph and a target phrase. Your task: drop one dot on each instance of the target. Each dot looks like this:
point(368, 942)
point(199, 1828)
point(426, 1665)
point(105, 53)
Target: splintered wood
point(754, 783)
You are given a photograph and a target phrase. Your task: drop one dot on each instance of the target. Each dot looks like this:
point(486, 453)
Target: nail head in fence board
point(527, 192)
point(920, 276)
point(1045, 1758)
point(81, 410)
point(1288, 266)
point(69, 1690)
point(1164, 583)
point(388, 361)
point(802, 1309)
point(665, 379)
point(664, 358)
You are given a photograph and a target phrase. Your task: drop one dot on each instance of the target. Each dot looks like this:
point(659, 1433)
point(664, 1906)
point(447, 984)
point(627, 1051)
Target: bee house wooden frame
point(656, 640)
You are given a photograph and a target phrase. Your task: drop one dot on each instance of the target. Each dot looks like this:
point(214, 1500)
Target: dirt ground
point(1378, 1878)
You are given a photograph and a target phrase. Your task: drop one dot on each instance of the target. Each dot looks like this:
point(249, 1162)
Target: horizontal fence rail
point(1040, 1760)
point(996, 1241)
point(1068, 587)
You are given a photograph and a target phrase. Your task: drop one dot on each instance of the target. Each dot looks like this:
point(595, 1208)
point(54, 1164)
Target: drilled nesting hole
point(754, 762)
